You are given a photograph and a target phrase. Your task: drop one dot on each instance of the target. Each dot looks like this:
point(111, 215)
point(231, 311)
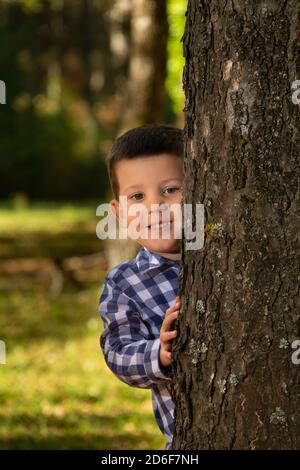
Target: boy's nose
point(158, 213)
point(157, 206)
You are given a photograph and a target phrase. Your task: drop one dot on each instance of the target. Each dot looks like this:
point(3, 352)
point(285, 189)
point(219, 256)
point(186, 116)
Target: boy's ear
point(119, 214)
point(115, 208)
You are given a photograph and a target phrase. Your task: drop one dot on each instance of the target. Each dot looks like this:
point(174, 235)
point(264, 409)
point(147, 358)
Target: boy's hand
point(167, 335)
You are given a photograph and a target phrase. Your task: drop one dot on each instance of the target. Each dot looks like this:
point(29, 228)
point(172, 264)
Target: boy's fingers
point(168, 335)
point(169, 320)
point(167, 354)
point(173, 308)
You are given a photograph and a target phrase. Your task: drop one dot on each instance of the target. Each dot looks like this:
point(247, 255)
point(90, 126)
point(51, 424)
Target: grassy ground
point(53, 218)
point(48, 229)
point(56, 392)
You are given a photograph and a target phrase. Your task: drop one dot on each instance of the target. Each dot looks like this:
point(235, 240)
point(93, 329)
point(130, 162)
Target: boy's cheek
point(135, 223)
point(123, 217)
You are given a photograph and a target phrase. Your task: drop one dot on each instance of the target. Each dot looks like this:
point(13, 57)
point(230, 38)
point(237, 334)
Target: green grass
point(56, 391)
point(53, 218)
point(48, 229)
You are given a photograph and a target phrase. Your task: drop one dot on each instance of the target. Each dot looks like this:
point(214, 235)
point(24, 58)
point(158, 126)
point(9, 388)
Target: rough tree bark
point(236, 386)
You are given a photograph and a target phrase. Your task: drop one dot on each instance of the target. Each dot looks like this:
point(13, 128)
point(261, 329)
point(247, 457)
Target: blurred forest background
point(77, 73)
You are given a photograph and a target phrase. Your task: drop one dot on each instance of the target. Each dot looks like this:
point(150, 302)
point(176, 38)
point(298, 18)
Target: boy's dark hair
point(146, 140)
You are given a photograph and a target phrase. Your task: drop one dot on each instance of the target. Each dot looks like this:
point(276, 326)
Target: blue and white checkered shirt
point(132, 305)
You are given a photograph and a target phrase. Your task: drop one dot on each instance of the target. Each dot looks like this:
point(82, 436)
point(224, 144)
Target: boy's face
point(155, 179)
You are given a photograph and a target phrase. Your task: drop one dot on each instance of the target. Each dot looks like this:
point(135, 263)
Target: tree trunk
point(146, 88)
point(148, 61)
point(236, 385)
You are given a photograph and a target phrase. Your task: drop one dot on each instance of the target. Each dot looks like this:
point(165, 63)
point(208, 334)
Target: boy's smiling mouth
point(160, 225)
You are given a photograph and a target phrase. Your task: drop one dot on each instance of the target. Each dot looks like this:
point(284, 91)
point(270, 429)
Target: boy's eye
point(136, 194)
point(172, 189)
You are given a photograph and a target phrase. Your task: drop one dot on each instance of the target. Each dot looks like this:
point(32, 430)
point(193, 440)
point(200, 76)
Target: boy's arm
point(128, 351)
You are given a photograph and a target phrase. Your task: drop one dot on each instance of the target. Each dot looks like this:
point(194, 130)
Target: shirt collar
point(147, 260)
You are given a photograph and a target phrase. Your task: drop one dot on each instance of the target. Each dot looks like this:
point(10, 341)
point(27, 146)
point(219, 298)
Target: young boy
point(139, 301)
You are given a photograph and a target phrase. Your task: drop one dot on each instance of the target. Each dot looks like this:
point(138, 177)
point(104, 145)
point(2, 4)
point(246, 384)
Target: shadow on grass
point(85, 431)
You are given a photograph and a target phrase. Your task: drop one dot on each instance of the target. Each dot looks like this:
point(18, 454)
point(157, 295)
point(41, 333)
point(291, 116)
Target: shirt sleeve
point(130, 352)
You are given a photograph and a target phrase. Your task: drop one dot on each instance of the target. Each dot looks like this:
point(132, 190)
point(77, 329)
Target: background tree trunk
point(236, 385)
point(146, 89)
